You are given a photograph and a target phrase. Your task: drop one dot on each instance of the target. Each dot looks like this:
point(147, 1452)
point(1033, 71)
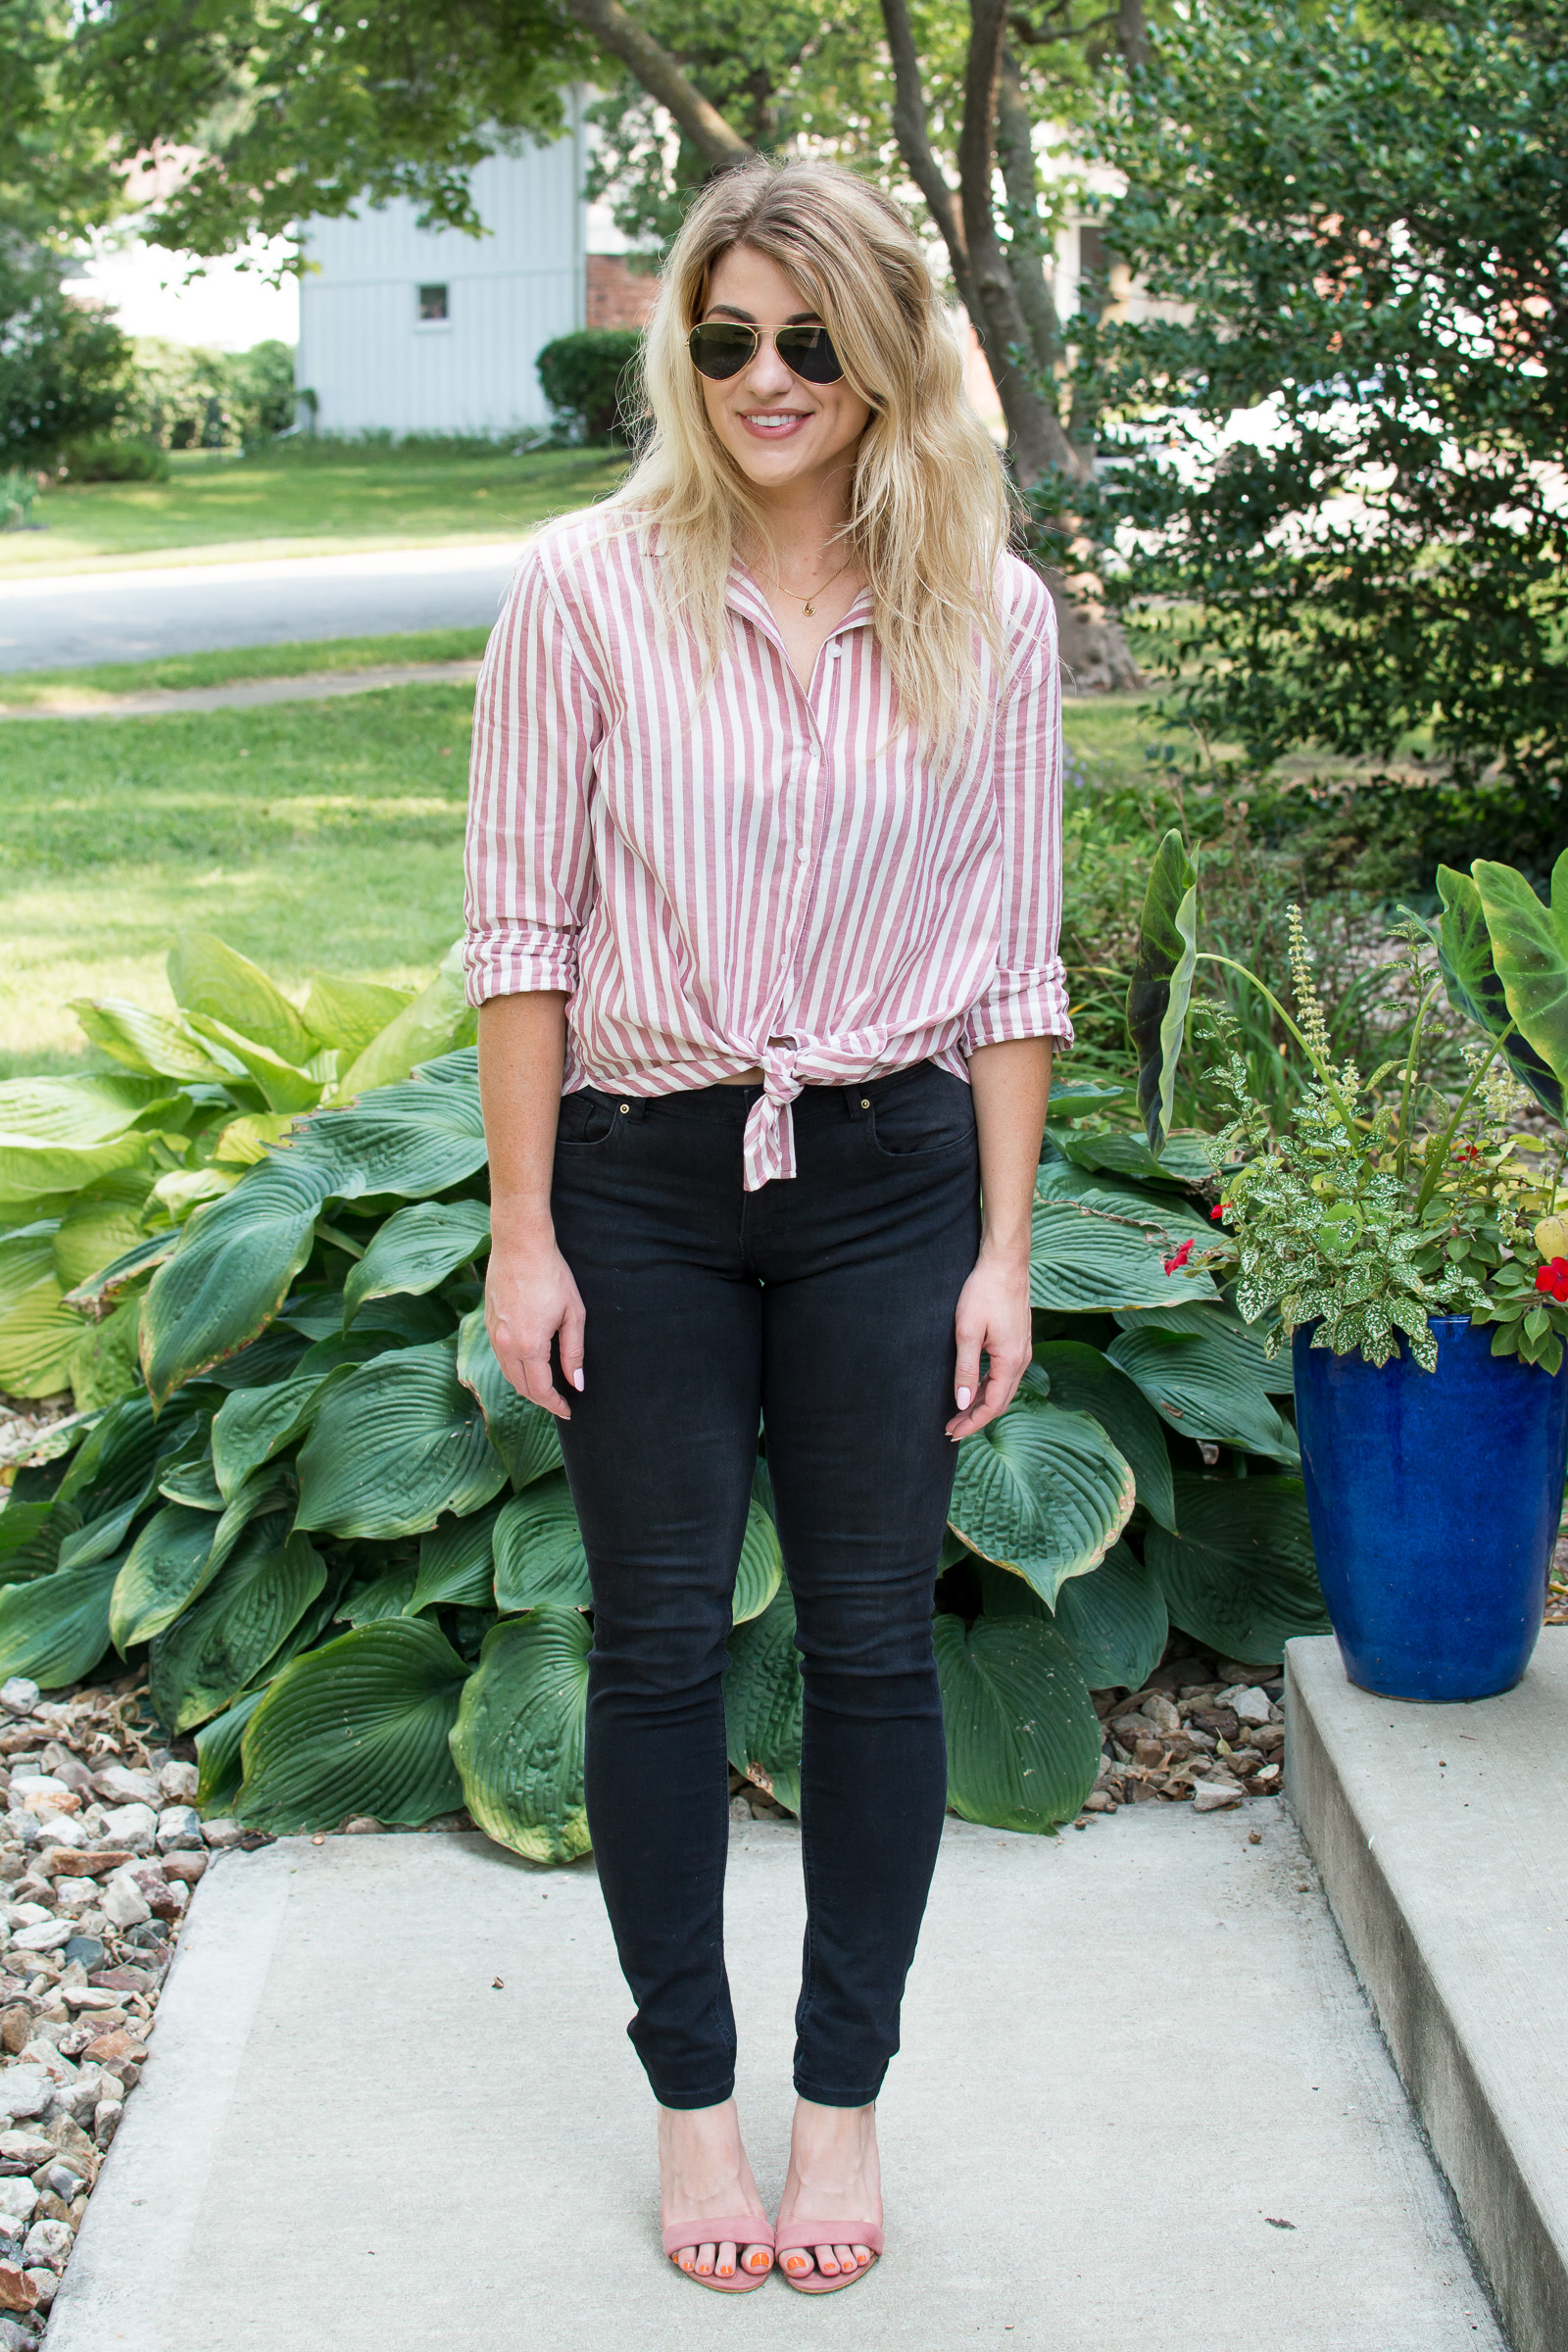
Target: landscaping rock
point(180, 1828)
point(222, 1833)
point(1250, 1705)
point(120, 1785)
point(123, 1902)
point(134, 1826)
point(24, 2090)
point(1211, 1797)
point(19, 1695)
point(178, 1784)
point(48, 2242)
point(18, 2292)
point(18, 2198)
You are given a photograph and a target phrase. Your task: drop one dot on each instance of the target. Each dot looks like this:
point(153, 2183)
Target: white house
point(429, 330)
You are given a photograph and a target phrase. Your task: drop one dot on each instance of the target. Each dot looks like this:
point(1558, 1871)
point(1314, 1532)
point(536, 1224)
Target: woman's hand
point(529, 1299)
point(992, 1319)
point(1012, 1086)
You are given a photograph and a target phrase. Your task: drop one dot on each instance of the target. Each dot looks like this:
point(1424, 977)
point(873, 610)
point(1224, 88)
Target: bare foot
point(703, 2169)
point(833, 2172)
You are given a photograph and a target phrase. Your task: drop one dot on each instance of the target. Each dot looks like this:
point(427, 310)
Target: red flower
point(1552, 1277)
point(1174, 1265)
point(1215, 1215)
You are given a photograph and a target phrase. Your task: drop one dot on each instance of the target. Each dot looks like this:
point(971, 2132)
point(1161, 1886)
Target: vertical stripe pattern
point(735, 870)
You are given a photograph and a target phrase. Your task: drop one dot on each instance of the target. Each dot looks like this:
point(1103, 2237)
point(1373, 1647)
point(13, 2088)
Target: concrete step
point(1442, 1836)
point(1141, 2104)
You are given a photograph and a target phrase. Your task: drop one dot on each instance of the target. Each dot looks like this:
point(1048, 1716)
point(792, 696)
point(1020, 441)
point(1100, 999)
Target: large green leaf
point(457, 1564)
point(538, 1550)
point(255, 1424)
point(218, 982)
point(1023, 1742)
point(1275, 1376)
point(762, 1698)
point(1081, 1380)
point(230, 1272)
point(37, 1340)
point(420, 1137)
point(1475, 986)
point(214, 1650)
point(31, 1172)
point(56, 1627)
point(417, 1248)
point(349, 1013)
point(117, 1458)
point(1085, 1259)
point(521, 1432)
point(1529, 948)
point(1042, 1492)
point(165, 1570)
point(1182, 1159)
point(98, 1292)
point(1241, 1575)
point(74, 1113)
point(761, 1564)
point(438, 1019)
point(1161, 984)
point(1114, 1621)
point(359, 1725)
point(284, 1084)
point(1204, 1385)
point(150, 1042)
point(101, 1224)
point(519, 1738)
point(218, 1753)
point(387, 1595)
point(399, 1442)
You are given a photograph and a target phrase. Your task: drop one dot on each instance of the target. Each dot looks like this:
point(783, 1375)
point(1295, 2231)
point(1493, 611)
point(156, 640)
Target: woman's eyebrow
point(728, 310)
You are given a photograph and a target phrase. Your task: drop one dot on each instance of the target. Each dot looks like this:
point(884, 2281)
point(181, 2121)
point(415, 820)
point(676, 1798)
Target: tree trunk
point(663, 78)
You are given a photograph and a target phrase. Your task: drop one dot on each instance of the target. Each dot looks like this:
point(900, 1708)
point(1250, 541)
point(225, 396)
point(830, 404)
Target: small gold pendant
point(810, 611)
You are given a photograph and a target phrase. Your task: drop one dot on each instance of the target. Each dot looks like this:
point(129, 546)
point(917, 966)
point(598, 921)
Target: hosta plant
point(1378, 1202)
point(347, 1549)
point(94, 1166)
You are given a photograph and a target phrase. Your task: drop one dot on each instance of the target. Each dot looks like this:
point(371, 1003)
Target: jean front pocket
point(585, 1118)
point(932, 1112)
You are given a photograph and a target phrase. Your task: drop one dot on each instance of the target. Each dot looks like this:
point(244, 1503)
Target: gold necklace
point(808, 604)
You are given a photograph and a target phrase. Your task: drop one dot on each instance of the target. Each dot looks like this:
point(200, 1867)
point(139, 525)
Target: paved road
point(1141, 2105)
point(137, 615)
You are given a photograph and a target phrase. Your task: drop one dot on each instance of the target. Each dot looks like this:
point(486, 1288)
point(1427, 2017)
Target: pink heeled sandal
point(743, 2229)
point(804, 2237)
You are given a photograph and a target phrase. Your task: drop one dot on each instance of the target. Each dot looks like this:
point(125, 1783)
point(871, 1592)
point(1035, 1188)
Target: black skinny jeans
point(822, 1305)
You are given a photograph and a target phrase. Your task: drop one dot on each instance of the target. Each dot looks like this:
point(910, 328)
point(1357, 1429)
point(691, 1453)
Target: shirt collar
point(743, 593)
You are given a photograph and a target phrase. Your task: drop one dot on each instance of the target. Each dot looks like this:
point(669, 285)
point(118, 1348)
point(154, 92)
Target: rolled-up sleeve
point(528, 866)
point(1028, 995)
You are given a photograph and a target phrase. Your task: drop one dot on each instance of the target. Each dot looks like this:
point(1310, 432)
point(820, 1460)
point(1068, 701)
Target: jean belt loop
point(855, 1099)
point(630, 1107)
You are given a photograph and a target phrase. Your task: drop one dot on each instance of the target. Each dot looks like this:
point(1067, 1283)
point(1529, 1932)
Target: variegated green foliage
point(349, 1546)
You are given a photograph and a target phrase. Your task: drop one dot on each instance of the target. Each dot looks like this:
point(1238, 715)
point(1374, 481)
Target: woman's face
point(782, 432)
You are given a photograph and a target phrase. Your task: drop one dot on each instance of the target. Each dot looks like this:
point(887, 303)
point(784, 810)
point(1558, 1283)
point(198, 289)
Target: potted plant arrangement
point(1410, 1250)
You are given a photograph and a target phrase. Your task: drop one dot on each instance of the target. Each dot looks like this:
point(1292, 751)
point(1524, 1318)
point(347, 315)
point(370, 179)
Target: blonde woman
point(763, 884)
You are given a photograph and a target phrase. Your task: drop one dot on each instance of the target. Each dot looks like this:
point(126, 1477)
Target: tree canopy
point(1355, 228)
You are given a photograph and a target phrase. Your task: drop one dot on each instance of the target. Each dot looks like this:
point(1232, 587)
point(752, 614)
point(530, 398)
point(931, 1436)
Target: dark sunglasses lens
point(720, 352)
point(806, 352)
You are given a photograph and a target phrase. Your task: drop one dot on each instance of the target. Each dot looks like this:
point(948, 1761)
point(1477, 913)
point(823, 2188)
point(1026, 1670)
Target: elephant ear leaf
point(762, 1701)
point(761, 1564)
point(521, 1432)
point(1162, 984)
point(359, 1725)
point(1476, 987)
point(518, 1739)
point(1023, 1741)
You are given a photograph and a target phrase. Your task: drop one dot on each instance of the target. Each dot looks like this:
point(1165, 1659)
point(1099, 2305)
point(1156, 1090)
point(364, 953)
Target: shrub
point(586, 381)
point(17, 490)
point(321, 1437)
point(64, 365)
point(105, 460)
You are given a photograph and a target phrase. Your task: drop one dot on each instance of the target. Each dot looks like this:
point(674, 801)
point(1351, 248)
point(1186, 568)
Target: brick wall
point(616, 296)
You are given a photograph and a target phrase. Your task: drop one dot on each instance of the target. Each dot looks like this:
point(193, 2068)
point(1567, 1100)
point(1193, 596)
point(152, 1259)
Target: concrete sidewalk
point(1141, 2105)
point(249, 694)
point(1441, 1835)
point(65, 620)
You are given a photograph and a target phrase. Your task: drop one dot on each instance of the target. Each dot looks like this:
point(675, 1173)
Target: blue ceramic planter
point(1434, 1500)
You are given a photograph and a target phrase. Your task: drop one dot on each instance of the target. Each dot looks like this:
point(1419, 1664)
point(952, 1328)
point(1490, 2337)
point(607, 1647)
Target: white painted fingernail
point(963, 1400)
point(577, 1382)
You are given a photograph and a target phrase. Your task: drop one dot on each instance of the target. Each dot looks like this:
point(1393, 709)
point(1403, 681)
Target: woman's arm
point(1012, 1085)
point(529, 1294)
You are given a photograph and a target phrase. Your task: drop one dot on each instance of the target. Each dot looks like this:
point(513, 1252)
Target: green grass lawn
point(308, 834)
point(313, 834)
point(285, 498)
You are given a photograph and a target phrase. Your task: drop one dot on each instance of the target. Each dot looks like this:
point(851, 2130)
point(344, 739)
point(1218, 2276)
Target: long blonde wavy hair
point(929, 511)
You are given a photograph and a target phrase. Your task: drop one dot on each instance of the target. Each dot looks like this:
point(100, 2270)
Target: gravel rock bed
point(100, 1850)
point(1202, 1730)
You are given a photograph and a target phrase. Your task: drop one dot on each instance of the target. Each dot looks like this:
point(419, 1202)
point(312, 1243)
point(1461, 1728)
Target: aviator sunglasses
point(720, 348)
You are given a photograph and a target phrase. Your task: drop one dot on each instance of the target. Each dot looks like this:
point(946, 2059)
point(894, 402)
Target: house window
point(433, 305)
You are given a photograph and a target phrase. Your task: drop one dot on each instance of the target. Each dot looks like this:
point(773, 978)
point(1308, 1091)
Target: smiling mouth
point(772, 420)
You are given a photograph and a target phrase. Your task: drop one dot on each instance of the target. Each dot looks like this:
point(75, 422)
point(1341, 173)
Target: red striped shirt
point(710, 866)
